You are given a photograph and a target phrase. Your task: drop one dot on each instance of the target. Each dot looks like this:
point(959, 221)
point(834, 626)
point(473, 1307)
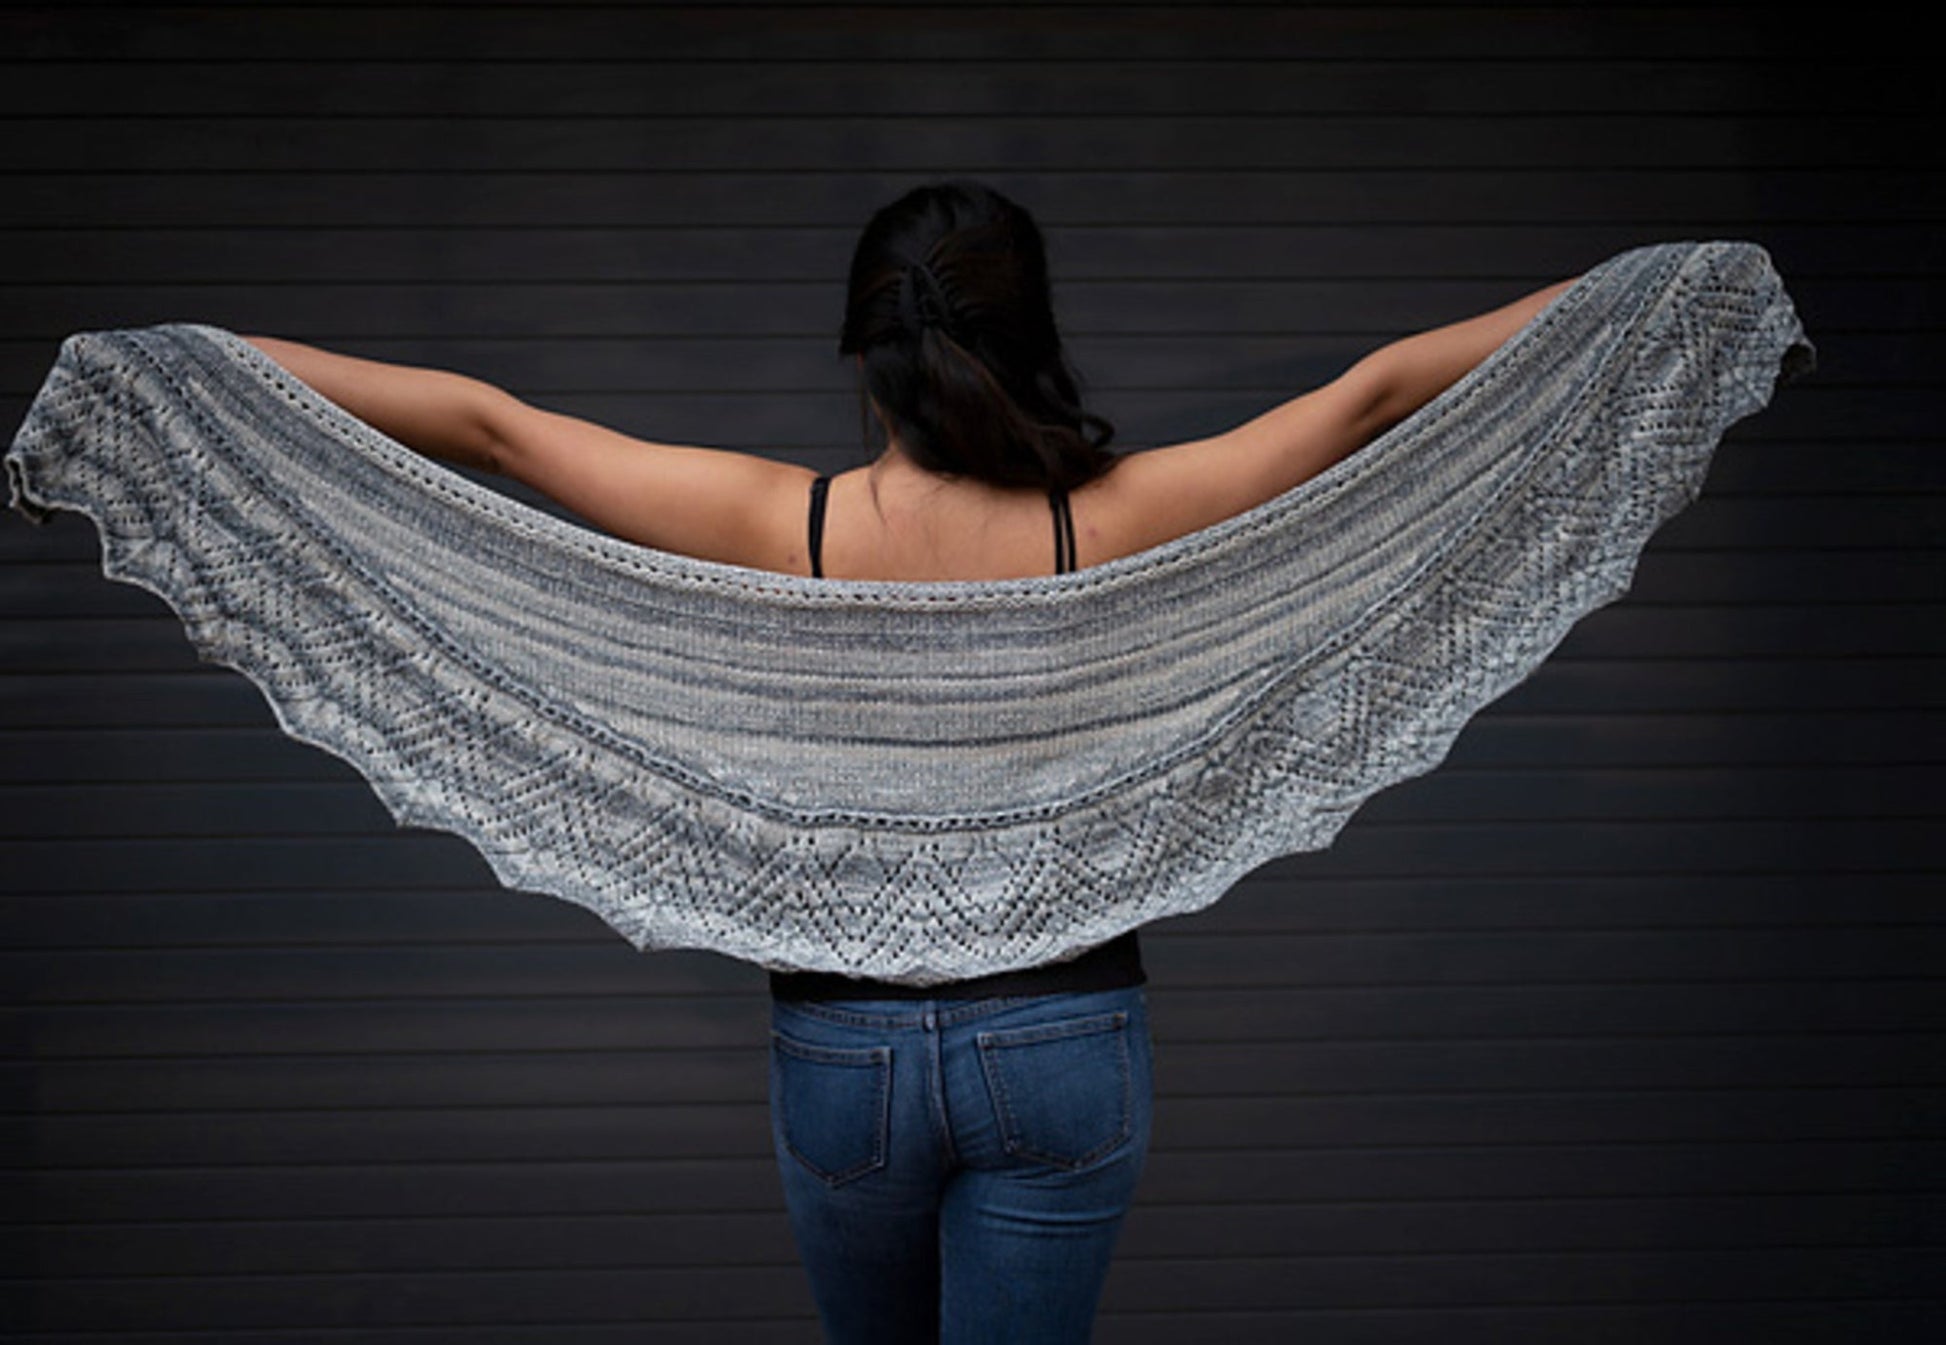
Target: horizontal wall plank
point(866, 136)
point(759, 84)
point(1684, 1323)
point(1436, 251)
point(686, 1238)
point(1178, 1176)
point(1609, 957)
point(1072, 34)
point(203, 1247)
point(595, 1295)
point(782, 1330)
point(1672, 200)
point(504, 1135)
point(1542, 1278)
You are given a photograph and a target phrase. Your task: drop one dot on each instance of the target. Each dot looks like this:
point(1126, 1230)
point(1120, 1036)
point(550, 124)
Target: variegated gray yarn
point(910, 781)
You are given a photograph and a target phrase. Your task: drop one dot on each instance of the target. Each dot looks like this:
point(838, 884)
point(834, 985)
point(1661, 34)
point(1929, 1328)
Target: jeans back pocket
point(1061, 1091)
point(832, 1106)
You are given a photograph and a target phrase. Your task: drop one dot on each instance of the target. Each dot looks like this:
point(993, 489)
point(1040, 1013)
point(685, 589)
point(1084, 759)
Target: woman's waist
point(1115, 965)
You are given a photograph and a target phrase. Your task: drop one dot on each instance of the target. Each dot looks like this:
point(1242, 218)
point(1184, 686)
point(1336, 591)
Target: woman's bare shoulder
point(715, 504)
point(1164, 493)
point(1156, 495)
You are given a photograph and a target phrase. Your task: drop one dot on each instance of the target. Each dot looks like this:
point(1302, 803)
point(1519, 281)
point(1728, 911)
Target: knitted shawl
point(918, 782)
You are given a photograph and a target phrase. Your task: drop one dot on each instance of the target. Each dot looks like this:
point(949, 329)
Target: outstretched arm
point(443, 415)
point(1185, 487)
point(705, 502)
point(1402, 377)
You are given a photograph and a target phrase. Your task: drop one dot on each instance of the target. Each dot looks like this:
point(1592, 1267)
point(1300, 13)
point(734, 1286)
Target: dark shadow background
point(1624, 1026)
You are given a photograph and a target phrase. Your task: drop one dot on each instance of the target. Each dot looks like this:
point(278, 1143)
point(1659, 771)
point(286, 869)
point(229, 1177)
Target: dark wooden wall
point(1622, 1027)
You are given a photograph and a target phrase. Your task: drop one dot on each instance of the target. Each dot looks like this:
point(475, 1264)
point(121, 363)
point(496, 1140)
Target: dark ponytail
point(949, 306)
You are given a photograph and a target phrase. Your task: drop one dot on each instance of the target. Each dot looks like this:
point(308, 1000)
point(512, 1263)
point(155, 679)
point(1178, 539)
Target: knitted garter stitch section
point(918, 782)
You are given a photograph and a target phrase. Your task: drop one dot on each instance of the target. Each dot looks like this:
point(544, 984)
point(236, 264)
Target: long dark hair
point(949, 306)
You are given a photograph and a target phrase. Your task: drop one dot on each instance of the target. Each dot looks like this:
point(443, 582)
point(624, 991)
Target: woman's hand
point(704, 502)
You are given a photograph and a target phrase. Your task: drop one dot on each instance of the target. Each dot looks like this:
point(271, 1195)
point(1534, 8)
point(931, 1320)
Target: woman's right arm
point(712, 503)
point(1168, 492)
point(443, 415)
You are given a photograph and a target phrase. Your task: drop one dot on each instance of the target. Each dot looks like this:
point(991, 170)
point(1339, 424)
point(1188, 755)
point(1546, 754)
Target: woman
point(957, 1159)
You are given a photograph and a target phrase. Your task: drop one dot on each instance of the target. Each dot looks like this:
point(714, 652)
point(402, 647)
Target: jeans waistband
point(893, 1015)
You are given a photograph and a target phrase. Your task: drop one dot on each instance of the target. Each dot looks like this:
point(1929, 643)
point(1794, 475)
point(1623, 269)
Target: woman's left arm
point(711, 503)
point(1169, 491)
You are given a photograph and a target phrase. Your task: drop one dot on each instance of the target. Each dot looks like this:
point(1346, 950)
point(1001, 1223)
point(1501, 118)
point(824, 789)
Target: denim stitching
point(879, 1059)
point(992, 1043)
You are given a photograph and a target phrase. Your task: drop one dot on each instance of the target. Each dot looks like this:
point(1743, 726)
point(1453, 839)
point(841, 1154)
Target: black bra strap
point(1064, 547)
point(1064, 552)
point(818, 489)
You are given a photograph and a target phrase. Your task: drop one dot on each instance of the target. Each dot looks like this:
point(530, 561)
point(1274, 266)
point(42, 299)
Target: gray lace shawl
point(912, 781)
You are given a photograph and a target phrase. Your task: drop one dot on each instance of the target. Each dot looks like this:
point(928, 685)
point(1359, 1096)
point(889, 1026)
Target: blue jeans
point(957, 1170)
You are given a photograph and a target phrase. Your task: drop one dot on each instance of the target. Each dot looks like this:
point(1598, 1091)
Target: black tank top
point(1114, 965)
